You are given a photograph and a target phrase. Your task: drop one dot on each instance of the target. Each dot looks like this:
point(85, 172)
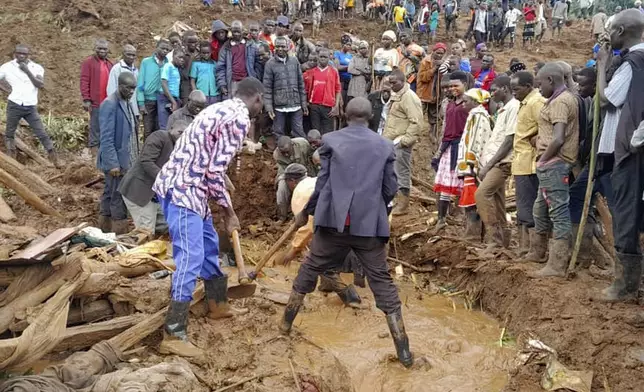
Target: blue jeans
point(294, 119)
point(162, 112)
point(578, 193)
point(551, 207)
point(195, 248)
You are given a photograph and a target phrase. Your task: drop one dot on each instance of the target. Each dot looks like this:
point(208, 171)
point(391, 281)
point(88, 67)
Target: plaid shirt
point(196, 168)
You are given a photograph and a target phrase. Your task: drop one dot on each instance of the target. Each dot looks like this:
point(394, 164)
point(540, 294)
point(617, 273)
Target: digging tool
point(245, 290)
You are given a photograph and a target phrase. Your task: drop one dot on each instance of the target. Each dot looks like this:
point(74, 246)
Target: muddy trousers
point(402, 167)
point(578, 192)
point(195, 248)
point(328, 250)
point(527, 187)
point(551, 207)
point(490, 195)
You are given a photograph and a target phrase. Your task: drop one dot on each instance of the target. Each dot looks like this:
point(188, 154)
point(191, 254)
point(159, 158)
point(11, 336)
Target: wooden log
point(23, 232)
point(148, 325)
point(132, 272)
point(27, 177)
point(9, 274)
point(88, 313)
point(41, 292)
point(84, 336)
point(22, 146)
point(29, 197)
point(29, 279)
point(6, 213)
point(422, 182)
point(98, 284)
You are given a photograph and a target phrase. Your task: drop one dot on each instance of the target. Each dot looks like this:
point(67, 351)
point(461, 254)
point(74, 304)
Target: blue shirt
point(149, 80)
point(171, 73)
point(343, 59)
point(203, 72)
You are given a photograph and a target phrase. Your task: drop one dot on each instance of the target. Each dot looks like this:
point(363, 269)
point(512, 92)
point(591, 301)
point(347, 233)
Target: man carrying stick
point(194, 174)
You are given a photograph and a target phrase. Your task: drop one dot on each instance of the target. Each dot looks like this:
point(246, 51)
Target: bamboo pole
point(589, 186)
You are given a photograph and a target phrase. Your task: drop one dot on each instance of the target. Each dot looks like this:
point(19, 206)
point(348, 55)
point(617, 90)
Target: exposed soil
point(587, 335)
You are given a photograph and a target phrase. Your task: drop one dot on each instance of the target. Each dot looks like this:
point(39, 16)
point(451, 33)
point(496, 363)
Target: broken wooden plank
point(27, 177)
point(84, 336)
point(40, 248)
point(98, 284)
point(22, 146)
point(414, 268)
point(88, 313)
point(417, 180)
point(6, 213)
point(9, 274)
point(30, 197)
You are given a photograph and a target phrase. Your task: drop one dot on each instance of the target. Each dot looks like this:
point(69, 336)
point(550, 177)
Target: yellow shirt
point(524, 161)
point(399, 14)
point(301, 195)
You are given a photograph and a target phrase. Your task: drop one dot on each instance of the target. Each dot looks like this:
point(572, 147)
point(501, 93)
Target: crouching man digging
point(194, 174)
point(351, 214)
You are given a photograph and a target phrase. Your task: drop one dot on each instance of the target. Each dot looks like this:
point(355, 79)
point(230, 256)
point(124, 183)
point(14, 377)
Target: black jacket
point(376, 106)
point(137, 183)
point(633, 110)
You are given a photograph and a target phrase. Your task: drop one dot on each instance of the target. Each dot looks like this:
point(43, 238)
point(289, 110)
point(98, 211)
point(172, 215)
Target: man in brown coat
point(428, 84)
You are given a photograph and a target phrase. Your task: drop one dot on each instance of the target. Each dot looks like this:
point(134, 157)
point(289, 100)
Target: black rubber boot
point(217, 298)
point(350, 296)
point(628, 273)
point(175, 332)
point(401, 341)
point(292, 308)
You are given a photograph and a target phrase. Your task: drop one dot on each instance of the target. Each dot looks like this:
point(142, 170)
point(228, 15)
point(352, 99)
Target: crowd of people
point(342, 126)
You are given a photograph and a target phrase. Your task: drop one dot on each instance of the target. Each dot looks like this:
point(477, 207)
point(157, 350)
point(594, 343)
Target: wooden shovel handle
point(287, 234)
point(239, 259)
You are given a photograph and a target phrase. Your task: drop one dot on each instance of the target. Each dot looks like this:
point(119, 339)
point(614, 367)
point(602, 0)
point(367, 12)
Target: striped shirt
point(196, 168)
point(616, 92)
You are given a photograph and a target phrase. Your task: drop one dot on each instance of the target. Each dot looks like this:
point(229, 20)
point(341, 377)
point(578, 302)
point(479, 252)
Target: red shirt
point(238, 55)
point(322, 85)
point(214, 47)
point(529, 14)
point(105, 76)
point(268, 39)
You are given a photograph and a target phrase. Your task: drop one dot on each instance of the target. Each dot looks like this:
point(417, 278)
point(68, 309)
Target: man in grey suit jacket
point(350, 205)
point(117, 133)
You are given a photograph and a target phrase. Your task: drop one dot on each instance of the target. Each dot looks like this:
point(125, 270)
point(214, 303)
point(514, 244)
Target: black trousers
point(320, 119)
point(329, 248)
point(628, 211)
point(526, 187)
point(17, 112)
point(112, 203)
point(150, 120)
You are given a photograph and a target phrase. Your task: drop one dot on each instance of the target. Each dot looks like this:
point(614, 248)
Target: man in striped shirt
point(194, 174)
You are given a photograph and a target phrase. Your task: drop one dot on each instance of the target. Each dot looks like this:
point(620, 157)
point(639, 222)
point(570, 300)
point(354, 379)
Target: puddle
point(462, 346)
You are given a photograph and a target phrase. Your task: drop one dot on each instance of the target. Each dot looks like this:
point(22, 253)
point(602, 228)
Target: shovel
point(245, 289)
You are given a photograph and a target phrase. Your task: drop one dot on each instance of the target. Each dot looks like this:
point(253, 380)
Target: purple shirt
point(195, 171)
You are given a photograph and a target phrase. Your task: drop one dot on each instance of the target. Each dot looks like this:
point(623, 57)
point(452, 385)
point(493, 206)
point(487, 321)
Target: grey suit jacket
point(357, 179)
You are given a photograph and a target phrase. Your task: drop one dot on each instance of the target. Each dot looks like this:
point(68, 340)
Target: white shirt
point(479, 23)
point(23, 91)
point(113, 81)
point(511, 17)
point(540, 16)
point(616, 92)
point(505, 125)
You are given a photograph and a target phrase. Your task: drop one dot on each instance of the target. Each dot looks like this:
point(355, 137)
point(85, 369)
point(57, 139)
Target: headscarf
point(439, 45)
point(390, 34)
point(295, 171)
point(479, 46)
point(363, 44)
point(346, 39)
point(478, 94)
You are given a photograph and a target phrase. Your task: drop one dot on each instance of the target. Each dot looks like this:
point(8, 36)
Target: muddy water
point(460, 347)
